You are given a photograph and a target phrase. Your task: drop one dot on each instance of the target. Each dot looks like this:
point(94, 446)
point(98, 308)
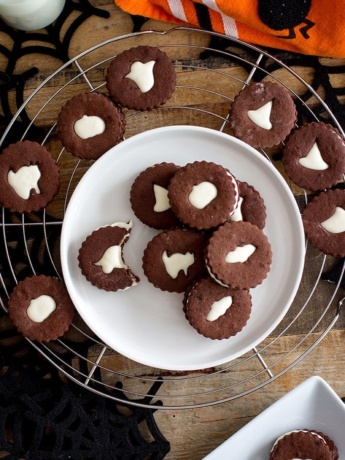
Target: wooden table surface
point(195, 432)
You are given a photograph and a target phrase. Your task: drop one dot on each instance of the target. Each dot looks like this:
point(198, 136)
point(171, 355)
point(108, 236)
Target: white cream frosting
point(177, 262)
point(142, 74)
point(313, 159)
point(161, 198)
point(24, 180)
point(240, 254)
point(41, 308)
point(112, 258)
point(219, 308)
point(202, 194)
point(89, 126)
point(237, 214)
point(261, 116)
point(335, 223)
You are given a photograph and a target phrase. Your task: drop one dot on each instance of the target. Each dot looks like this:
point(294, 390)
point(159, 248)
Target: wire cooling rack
point(80, 355)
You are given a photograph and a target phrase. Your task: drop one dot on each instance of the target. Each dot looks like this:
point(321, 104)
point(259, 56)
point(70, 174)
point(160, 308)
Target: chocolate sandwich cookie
point(174, 259)
point(324, 222)
point(203, 194)
point(90, 124)
point(141, 78)
point(149, 196)
point(238, 255)
point(29, 177)
point(215, 311)
point(40, 308)
point(262, 114)
point(251, 207)
point(101, 258)
point(300, 444)
point(314, 156)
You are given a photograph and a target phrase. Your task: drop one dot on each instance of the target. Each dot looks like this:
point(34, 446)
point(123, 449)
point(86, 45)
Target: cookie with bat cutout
point(89, 124)
point(217, 312)
point(262, 114)
point(203, 194)
point(324, 222)
point(141, 78)
point(29, 177)
point(314, 156)
point(238, 255)
point(40, 308)
point(174, 259)
point(101, 258)
point(304, 444)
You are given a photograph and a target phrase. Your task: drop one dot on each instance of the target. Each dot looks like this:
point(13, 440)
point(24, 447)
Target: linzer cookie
point(251, 207)
point(314, 156)
point(262, 114)
point(90, 124)
point(141, 78)
point(203, 194)
point(40, 308)
point(101, 258)
point(215, 311)
point(238, 255)
point(149, 196)
point(174, 259)
point(308, 444)
point(324, 222)
point(29, 177)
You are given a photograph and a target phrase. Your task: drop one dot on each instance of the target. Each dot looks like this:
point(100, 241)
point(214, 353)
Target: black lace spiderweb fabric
point(43, 416)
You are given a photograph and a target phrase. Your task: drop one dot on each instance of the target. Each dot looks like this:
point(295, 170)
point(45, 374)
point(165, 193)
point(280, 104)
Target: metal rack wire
point(127, 381)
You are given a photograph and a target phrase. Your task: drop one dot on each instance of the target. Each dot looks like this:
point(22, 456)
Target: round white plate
point(144, 323)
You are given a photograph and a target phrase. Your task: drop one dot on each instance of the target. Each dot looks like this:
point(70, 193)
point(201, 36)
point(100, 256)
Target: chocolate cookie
point(40, 308)
point(149, 196)
point(203, 194)
point(308, 444)
point(174, 259)
point(90, 124)
point(215, 311)
point(314, 156)
point(262, 114)
point(238, 255)
point(324, 222)
point(101, 258)
point(141, 78)
point(251, 207)
point(29, 177)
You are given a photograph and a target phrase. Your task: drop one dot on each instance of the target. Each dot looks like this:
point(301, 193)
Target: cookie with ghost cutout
point(89, 124)
point(314, 156)
point(141, 78)
point(217, 312)
point(101, 258)
point(324, 222)
point(238, 255)
point(174, 259)
point(40, 308)
point(149, 196)
point(262, 114)
point(29, 177)
point(203, 194)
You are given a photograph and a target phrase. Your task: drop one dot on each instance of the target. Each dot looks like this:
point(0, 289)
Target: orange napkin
point(315, 27)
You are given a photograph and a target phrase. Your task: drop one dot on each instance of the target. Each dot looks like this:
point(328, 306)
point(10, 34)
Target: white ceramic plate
point(313, 404)
point(144, 323)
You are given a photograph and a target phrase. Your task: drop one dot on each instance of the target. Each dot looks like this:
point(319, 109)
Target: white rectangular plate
point(313, 404)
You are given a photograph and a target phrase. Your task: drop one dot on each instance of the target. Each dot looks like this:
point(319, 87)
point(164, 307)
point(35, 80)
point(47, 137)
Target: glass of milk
point(30, 14)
